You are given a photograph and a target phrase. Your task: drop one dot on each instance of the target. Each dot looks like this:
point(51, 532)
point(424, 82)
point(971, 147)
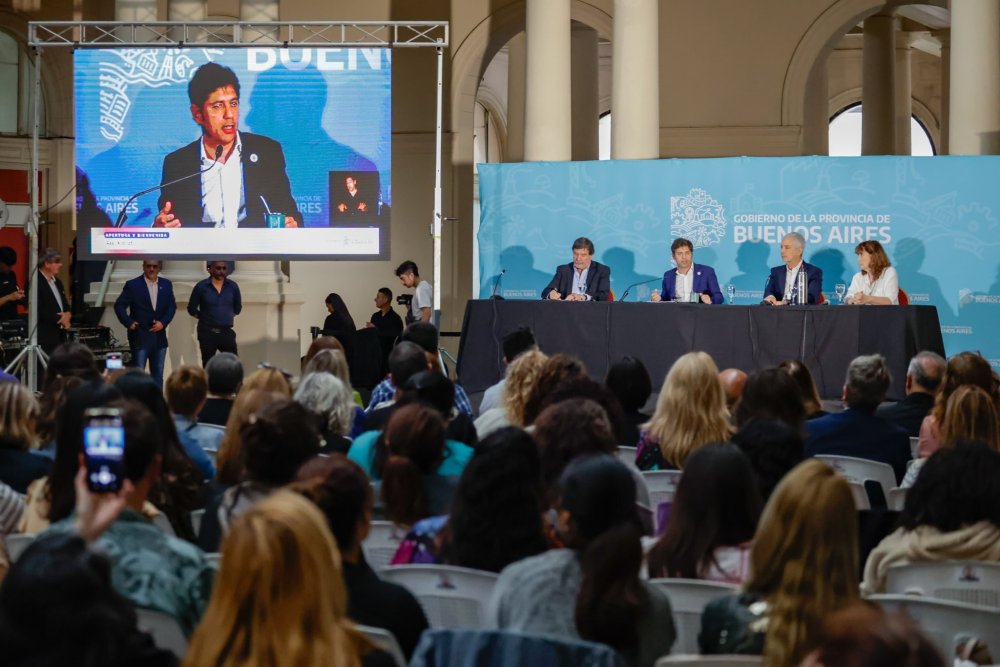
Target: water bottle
point(731, 290)
point(801, 287)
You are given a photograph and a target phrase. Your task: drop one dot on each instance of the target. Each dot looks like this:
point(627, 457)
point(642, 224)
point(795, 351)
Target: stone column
point(547, 113)
point(878, 135)
point(974, 121)
point(903, 102)
point(585, 96)
point(260, 11)
point(268, 328)
point(635, 80)
point(944, 36)
point(189, 11)
point(516, 51)
point(816, 131)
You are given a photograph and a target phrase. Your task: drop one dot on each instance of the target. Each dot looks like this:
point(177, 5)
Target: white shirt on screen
point(886, 285)
point(222, 188)
point(683, 285)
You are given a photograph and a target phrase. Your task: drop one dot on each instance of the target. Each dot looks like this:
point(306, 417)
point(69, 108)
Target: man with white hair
point(781, 288)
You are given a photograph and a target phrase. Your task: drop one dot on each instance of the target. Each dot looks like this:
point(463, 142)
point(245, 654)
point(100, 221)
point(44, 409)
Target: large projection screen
point(307, 143)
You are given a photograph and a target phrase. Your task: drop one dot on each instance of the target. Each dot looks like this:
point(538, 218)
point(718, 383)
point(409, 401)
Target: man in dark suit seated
point(146, 307)
point(781, 288)
point(923, 379)
point(688, 278)
point(583, 279)
point(857, 431)
point(243, 176)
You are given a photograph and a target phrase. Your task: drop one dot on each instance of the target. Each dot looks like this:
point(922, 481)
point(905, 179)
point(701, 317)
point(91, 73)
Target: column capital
point(943, 37)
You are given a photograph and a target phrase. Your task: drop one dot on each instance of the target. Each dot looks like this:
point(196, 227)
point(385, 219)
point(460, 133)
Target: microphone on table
point(642, 282)
point(121, 216)
point(496, 285)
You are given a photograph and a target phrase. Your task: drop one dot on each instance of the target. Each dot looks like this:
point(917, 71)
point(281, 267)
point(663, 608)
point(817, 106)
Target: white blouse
point(886, 285)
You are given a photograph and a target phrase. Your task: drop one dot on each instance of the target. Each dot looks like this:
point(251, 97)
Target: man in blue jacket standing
point(145, 307)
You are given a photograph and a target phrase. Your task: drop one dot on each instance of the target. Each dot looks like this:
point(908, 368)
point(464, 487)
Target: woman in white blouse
point(876, 283)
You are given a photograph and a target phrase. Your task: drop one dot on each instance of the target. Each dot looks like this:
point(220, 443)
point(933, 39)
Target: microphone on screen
point(496, 285)
point(122, 215)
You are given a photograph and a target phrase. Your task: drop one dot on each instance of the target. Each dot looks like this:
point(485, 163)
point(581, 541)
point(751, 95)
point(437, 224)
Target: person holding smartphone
point(145, 307)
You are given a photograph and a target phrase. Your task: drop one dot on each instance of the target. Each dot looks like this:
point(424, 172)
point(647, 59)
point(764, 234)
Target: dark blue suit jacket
point(263, 176)
point(704, 282)
point(598, 281)
point(776, 282)
point(133, 305)
point(861, 435)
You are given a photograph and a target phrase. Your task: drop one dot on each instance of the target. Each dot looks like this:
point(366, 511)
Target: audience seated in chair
point(733, 381)
point(590, 590)
point(333, 361)
point(342, 492)
point(951, 513)
point(433, 389)
point(58, 607)
point(557, 370)
point(970, 415)
point(713, 518)
point(522, 373)
point(771, 394)
point(690, 413)
point(856, 431)
point(496, 512)
point(186, 391)
point(225, 377)
point(803, 566)
point(773, 447)
point(629, 382)
point(280, 596)
point(154, 570)
point(330, 402)
point(277, 439)
point(923, 380)
point(808, 393)
point(962, 369)
point(19, 467)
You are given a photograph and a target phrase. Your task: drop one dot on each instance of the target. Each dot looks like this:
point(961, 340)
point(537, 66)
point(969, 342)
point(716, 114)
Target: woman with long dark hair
point(591, 589)
point(712, 519)
point(340, 324)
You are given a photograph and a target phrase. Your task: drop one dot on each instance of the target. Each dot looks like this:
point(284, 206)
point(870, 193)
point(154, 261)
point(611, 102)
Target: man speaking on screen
point(242, 180)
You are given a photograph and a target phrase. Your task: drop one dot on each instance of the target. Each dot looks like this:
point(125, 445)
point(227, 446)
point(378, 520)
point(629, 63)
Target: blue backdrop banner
point(936, 217)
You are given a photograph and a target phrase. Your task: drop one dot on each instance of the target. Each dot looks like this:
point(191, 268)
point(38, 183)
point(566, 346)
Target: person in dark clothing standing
point(340, 325)
point(215, 301)
point(10, 293)
point(386, 321)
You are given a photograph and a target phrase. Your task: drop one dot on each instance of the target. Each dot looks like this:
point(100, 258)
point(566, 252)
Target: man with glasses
point(145, 307)
point(215, 302)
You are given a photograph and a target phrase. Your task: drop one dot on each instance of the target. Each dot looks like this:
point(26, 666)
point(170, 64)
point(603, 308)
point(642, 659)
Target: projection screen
point(260, 152)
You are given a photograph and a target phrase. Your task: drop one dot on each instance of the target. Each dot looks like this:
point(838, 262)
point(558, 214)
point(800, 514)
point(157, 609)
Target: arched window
point(845, 134)
point(485, 137)
point(604, 137)
point(17, 80)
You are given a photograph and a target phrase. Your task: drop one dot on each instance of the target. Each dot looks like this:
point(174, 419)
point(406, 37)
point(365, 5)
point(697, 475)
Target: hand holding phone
point(113, 361)
point(104, 449)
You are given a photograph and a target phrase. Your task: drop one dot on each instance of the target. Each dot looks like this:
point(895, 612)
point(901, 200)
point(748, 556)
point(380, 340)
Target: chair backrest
point(914, 445)
point(662, 485)
point(627, 456)
point(688, 598)
point(709, 661)
point(863, 470)
point(896, 499)
point(385, 640)
point(452, 597)
point(489, 648)
point(164, 630)
point(381, 544)
point(196, 517)
point(861, 499)
point(16, 544)
point(903, 297)
point(944, 621)
point(970, 582)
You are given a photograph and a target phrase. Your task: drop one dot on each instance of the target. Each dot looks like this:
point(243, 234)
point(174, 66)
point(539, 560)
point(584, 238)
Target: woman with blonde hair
point(964, 368)
point(279, 598)
point(690, 412)
point(803, 567)
point(522, 373)
point(970, 416)
point(334, 362)
point(18, 416)
point(269, 379)
point(877, 283)
point(230, 462)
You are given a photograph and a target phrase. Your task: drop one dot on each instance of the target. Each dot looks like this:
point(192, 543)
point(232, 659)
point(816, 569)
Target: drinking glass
point(840, 289)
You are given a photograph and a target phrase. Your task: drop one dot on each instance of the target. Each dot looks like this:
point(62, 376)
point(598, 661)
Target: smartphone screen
point(113, 361)
point(104, 449)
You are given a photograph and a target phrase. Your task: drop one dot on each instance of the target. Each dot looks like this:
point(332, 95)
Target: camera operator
point(421, 308)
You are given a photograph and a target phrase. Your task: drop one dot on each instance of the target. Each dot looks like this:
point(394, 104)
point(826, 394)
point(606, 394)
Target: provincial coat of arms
point(698, 218)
